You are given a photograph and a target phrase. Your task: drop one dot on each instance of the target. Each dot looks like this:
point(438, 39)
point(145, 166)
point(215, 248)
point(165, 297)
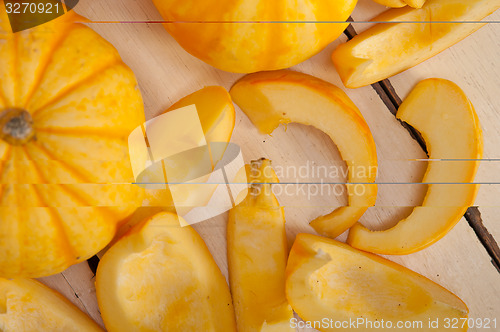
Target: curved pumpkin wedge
point(387, 49)
point(280, 97)
point(257, 252)
point(447, 121)
point(27, 305)
point(161, 277)
point(330, 281)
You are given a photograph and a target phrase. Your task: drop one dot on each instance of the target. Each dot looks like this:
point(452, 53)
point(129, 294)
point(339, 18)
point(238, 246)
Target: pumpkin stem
point(16, 126)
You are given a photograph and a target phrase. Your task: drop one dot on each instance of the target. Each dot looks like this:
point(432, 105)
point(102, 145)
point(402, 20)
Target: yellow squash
point(444, 116)
point(28, 306)
point(161, 277)
point(387, 49)
point(257, 252)
point(254, 35)
point(280, 97)
point(336, 287)
point(67, 106)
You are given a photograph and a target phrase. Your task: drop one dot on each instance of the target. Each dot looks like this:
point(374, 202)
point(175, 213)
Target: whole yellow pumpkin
point(67, 106)
point(253, 35)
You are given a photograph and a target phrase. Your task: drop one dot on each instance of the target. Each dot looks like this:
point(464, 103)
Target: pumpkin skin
point(247, 47)
point(64, 190)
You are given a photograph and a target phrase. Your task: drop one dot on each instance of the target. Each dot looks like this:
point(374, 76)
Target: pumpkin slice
point(444, 116)
point(280, 97)
point(216, 114)
point(27, 305)
point(330, 281)
point(387, 49)
point(257, 252)
point(215, 109)
point(161, 277)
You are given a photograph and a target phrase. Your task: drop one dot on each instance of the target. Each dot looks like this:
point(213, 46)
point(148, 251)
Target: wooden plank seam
point(388, 94)
point(76, 295)
point(93, 262)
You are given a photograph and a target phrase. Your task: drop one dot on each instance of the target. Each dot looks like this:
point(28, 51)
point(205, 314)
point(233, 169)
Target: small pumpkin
point(67, 106)
point(249, 35)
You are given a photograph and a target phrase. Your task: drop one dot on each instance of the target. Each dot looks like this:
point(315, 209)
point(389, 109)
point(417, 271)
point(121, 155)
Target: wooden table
point(462, 261)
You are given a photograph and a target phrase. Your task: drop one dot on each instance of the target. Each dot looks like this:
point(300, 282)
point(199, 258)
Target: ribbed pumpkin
point(67, 106)
point(246, 36)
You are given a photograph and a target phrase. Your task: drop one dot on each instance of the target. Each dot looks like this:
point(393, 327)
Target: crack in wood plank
point(391, 99)
point(473, 217)
point(76, 294)
point(93, 262)
point(384, 89)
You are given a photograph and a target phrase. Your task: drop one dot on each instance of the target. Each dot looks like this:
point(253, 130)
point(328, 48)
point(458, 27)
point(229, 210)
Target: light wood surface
point(166, 73)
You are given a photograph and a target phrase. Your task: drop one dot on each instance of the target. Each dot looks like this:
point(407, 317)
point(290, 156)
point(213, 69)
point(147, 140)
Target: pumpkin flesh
point(161, 277)
point(446, 118)
point(328, 281)
point(280, 97)
point(257, 252)
point(27, 305)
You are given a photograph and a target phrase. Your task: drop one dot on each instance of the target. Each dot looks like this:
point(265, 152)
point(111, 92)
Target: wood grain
point(77, 284)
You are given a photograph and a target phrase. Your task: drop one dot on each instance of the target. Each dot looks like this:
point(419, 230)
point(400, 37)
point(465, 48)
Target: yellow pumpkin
point(248, 36)
point(67, 106)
